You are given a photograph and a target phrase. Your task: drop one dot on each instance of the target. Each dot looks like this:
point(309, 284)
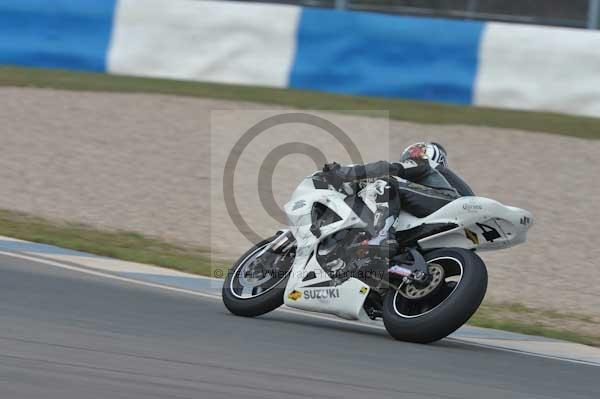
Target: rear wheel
point(428, 313)
point(256, 282)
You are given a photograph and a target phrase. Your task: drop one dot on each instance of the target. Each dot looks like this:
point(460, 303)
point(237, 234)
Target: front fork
point(283, 242)
point(266, 260)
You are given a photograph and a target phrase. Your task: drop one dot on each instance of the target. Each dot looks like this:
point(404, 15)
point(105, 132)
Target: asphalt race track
point(65, 334)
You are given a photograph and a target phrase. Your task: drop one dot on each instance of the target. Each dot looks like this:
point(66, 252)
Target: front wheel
point(424, 314)
point(256, 282)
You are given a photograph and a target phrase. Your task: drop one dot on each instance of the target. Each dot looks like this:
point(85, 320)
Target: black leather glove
point(330, 175)
point(331, 167)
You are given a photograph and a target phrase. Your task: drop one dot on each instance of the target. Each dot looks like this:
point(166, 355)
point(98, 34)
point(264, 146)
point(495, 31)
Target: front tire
point(446, 308)
point(254, 303)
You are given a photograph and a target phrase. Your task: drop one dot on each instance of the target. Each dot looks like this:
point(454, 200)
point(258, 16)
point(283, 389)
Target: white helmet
point(432, 152)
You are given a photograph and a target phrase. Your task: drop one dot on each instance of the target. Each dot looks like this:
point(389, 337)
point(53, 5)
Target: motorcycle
point(324, 262)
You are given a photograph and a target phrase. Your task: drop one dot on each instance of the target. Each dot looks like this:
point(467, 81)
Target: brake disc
point(412, 291)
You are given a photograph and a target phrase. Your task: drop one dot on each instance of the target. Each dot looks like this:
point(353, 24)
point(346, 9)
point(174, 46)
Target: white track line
point(284, 309)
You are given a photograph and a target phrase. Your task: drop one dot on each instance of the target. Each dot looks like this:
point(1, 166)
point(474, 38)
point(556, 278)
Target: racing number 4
point(489, 233)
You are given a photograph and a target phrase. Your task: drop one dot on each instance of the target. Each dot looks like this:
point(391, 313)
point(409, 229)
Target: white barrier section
point(214, 41)
point(539, 68)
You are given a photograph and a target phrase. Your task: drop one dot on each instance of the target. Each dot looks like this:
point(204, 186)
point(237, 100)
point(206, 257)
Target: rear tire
point(256, 305)
point(461, 300)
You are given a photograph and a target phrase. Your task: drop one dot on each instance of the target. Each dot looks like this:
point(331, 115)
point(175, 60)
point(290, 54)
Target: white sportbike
point(324, 261)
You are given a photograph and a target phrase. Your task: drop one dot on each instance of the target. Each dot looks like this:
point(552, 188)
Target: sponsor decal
point(294, 295)
point(472, 207)
point(471, 235)
point(324, 293)
point(525, 220)
point(364, 290)
point(298, 205)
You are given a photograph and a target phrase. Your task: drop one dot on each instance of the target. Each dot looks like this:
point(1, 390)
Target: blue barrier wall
point(382, 55)
point(460, 62)
point(71, 34)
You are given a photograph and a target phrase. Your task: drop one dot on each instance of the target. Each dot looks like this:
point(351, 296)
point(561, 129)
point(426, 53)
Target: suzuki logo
point(328, 293)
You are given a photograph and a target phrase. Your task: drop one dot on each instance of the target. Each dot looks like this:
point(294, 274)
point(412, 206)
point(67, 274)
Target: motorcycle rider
point(426, 184)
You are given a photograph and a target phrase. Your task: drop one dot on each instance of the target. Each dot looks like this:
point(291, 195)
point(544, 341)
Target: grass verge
point(139, 248)
point(518, 318)
point(413, 111)
point(123, 245)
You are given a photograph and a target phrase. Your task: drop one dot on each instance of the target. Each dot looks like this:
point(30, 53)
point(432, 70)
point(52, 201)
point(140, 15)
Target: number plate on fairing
point(491, 234)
